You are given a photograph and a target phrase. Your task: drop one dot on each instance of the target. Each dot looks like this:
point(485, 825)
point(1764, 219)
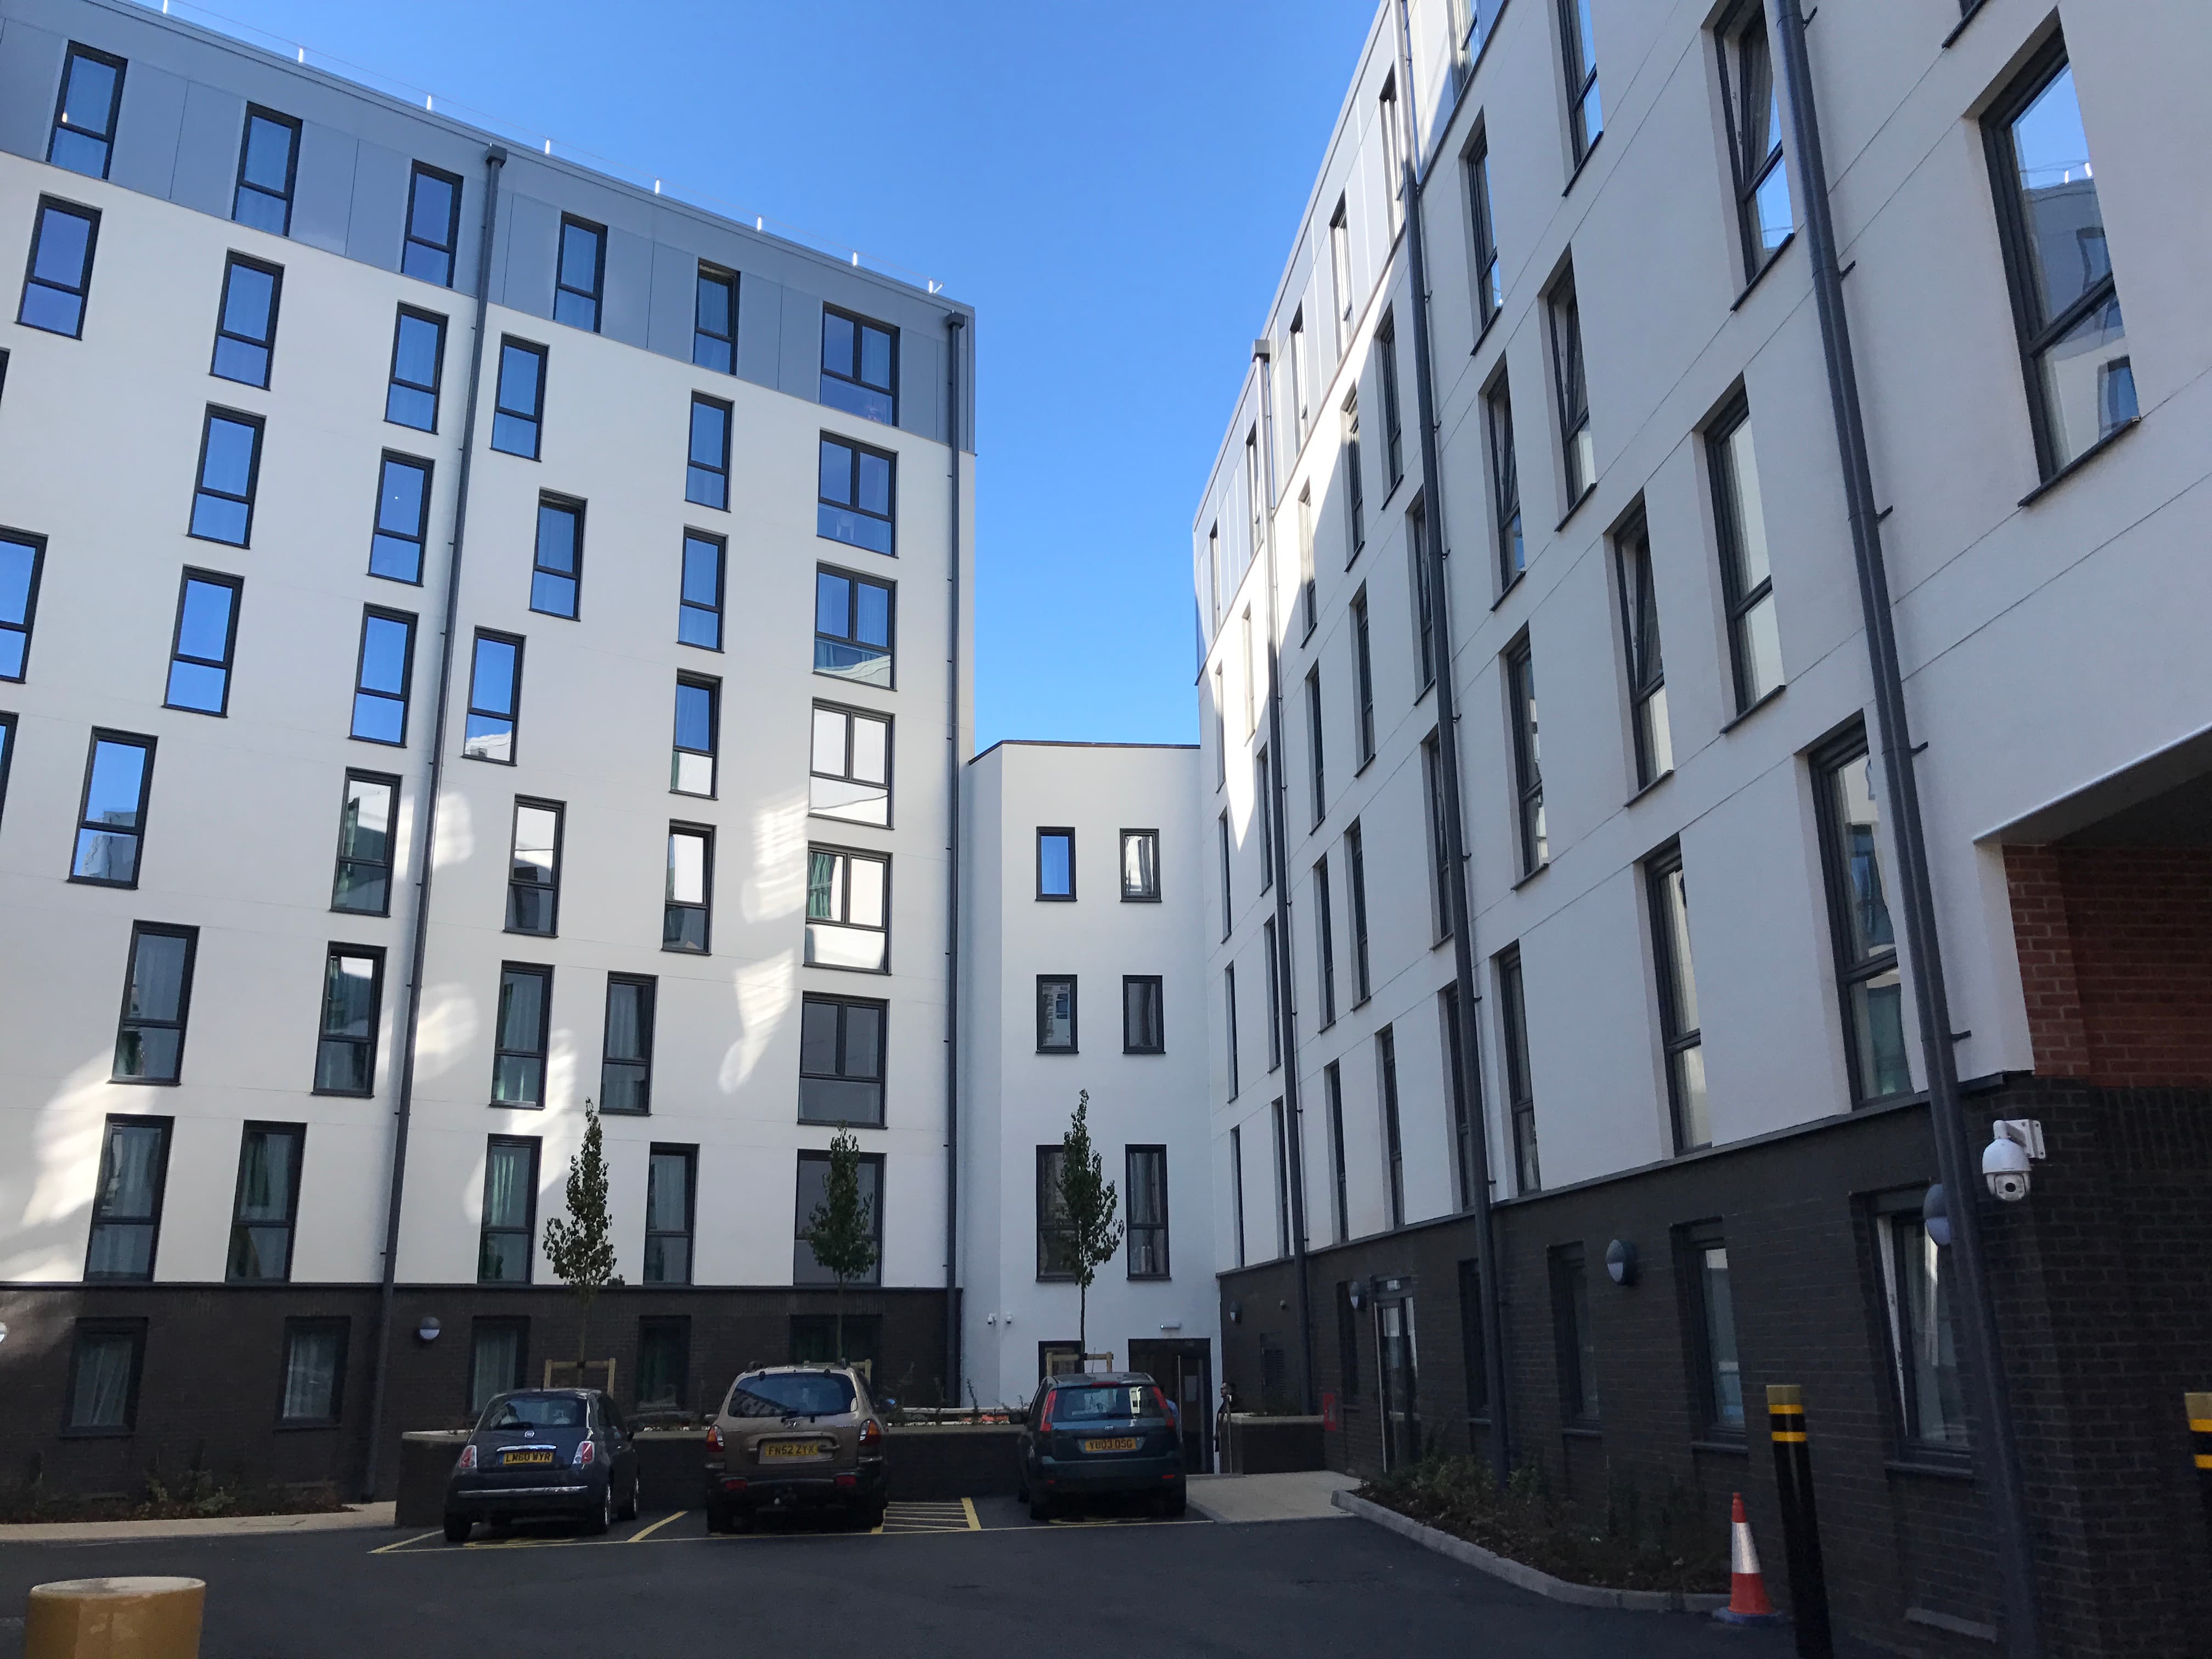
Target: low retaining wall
point(1272, 1445)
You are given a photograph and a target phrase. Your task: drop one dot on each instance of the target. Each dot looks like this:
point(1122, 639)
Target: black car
point(1100, 1431)
point(540, 1452)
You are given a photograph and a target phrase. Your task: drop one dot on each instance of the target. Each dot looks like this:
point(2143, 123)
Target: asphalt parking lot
point(1002, 1588)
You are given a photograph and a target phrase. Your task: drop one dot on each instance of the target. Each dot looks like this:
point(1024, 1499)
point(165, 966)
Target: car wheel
point(877, 1509)
point(458, 1527)
point(603, 1513)
point(1040, 1507)
point(718, 1518)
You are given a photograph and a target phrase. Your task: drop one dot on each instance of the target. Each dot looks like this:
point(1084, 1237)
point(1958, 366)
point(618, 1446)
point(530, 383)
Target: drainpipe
point(1294, 1136)
point(955, 327)
point(1469, 1081)
point(495, 159)
point(1996, 1449)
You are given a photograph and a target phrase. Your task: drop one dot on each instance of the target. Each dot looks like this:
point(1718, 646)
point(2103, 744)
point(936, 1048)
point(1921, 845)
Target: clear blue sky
point(1114, 188)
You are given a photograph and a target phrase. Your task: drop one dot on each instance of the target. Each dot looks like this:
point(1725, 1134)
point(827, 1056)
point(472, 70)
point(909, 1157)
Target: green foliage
point(581, 1246)
point(842, 1230)
point(1088, 1204)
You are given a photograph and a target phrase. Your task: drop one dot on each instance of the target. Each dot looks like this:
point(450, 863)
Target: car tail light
point(714, 1437)
point(1044, 1417)
point(585, 1451)
point(468, 1457)
point(1160, 1405)
point(848, 1480)
point(871, 1435)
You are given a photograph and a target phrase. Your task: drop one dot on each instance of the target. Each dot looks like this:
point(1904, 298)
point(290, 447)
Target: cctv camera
point(2005, 1167)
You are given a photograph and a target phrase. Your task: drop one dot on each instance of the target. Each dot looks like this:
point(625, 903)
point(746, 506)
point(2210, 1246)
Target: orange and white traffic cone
point(1747, 1602)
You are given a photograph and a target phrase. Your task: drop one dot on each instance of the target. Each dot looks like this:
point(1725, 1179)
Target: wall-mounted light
point(1172, 1325)
point(1355, 1294)
point(426, 1332)
point(1236, 1313)
point(1620, 1262)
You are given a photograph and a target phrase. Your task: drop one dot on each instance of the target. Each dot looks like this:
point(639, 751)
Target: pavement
point(220, 1526)
point(1302, 1495)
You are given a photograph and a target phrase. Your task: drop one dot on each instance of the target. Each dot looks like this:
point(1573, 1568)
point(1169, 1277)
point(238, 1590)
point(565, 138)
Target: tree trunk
point(583, 1335)
point(1082, 1321)
point(841, 1319)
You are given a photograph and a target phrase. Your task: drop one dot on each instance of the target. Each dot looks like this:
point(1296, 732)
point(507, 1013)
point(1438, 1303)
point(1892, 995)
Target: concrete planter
point(1272, 1445)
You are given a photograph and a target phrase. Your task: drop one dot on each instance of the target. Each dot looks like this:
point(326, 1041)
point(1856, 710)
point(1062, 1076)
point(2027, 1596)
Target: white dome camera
point(2007, 1161)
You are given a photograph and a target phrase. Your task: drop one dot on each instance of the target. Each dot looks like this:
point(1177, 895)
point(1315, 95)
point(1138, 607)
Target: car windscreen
point(790, 1394)
point(535, 1412)
point(1089, 1404)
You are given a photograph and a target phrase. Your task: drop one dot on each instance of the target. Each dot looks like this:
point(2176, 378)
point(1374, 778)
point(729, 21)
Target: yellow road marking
point(639, 1537)
point(387, 1549)
point(968, 1505)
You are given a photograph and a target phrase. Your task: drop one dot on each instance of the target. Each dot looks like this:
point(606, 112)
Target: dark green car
point(1092, 1433)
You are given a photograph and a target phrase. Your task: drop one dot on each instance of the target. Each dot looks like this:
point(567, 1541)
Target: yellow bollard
point(115, 1618)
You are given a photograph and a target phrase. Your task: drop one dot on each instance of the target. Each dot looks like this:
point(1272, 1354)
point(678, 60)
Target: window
point(1055, 1013)
point(1576, 1344)
point(118, 777)
point(433, 226)
point(403, 520)
point(1519, 1088)
point(1147, 1183)
point(1489, 277)
point(1324, 944)
point(1924, 1341)
point(1263, 814)
point(840, 1060)
point(1867, 983)
point(510, 1222)
point(7, 751)
point(1055, 864)
point(1333, 1088)
point(126, 1206)
point(1301, 372)
point(670, 1181)
point(266, 1205)
point(1440, 863)
point(1144, 1015)
point(1237, 1186)
point(691, 889)
point(268, 163)
point(314, 1372)
point(1393, 152)
point(1527, 760)
point(1315, 750)
point(860, 365)
point(496, 1353)
point(1055, 1235)
point(418, 356)
point(1309, 595)
point(1464, 1126)
point(1355, 863)
point(847, 910)
point(1348, 1341)
point(1282, 1180)
point(698, 727)
point(1394, 425)
point(353, 996)
point(246, 321)
point(533, 874)
point(714, 321)
point(1355, 506)
point(1229, 998)
point(83, 135)
point(104, 1367)
point(366, 820)
point(381, 679)
point(230, 468)
point(1251, 681)
point(1505, 484)
point(1747, 580)
point(1213, 568)
point(1425, 606)
point(699, 599)
point(707, 475)
point(1578, 51)
point(1577, 450)
point(813, 1190)
point(1363, 679)
point(1678, 1000)
point(1274, 994)
point(22, 560)
point(517, 1072)
point(853, 628)
point(206, 635)
point(494, 683)
point(1140, 867)
point(1754, 127)
point(851, 765)
point(1227, 909)
point(1711, 1308)
point(664, 1363)
point(856, 489)
point(1255, 501)
point(1340, 271)
point(1471, 1363)
point(1639, 634)
point(1394, 1143)
point(1220, 729)
point(2073, 344)
point(626, 1045)
point(519, 410)
point(580, 275)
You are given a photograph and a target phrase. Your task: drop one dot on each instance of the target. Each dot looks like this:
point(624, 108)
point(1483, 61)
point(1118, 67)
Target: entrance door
point(1398, 1369)
point(1184, 1371)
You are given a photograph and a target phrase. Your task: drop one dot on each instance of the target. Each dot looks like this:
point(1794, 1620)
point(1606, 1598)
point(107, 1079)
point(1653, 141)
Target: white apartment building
point(1502, 1004)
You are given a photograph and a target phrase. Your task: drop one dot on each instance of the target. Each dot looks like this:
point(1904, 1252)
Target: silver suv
point(796, 1437)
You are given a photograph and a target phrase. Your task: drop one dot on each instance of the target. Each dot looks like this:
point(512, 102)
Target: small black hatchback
point(541, 1452)
point(1100, 1431)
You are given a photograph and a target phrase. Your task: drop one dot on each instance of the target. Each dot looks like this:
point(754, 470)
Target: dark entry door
point(1184, 1371)
point(1398, 1369)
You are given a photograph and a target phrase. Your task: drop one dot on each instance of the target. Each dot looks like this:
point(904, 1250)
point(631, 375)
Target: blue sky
point(1114, 188)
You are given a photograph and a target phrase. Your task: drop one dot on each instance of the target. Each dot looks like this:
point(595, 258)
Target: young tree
point(1088, 1202)
point(580, 1246)
point(842, 1230)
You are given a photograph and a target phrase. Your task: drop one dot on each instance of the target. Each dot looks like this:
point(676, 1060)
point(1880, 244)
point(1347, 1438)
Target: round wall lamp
point(1235, 1313)
point(1355, 1294)
point(1620, 1262)
point(426, 1332)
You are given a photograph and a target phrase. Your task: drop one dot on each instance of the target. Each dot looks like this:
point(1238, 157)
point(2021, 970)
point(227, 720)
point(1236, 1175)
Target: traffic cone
point(1747, 1602)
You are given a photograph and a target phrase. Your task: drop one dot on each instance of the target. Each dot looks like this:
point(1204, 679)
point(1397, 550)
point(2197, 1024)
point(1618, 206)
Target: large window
point(533, 872)
point(2073, 344)
point(510, 1222)
point(556, 568)
point(698, 728)
point(1528, 759)
point(581, 276)
point(498, 1350)
point(118, 777)
point(380, 680)
point(847, 910)
point(707, 471)
point(856, 489)
point(367, 823)
point(1272, 964)
point(22, 560)
point(1702, 1256)
point(1055, 864)
point(229, 473)
point(1332, 1090)
point(268, 164)
point(1055, 1257)
point(126, 1205)
point(1577, 450)
point(1393, 1140)
point(664, 1363)
point(1055, 1014)
point(1229, 1027)
point(1316, 748)
point(1355, 483)
point(853, 628)
point(1504, 483)
point(83, 137)
point(1578, 53)
point(1363, 679)
point(671, 1185)
point(157, 994)
point(525, 1001)
point(265, 1208)
point(1868, 982)
point(1520, 1084)
point(1923, 1345)
point(1678, 1030)
point(1754, 129)
point(1489, 278)
point(314, 1373)
point(840, 1060)
point(1575, 1342)
point(403, 520)
point(687, 906)
point(626, 1045)
point(518, 408)
point(353, 996)
point(714, 320)
point(813, 1191)
point(851, 766)
point(433, 226)
point(1144, 1015)
point(1147, 1183)
point(1324, 944)
point(201, 649)
point(1140, 867)
point(418, 357)
point(699, 599)
point(1424, 604)
point(104, 1367)
point(246, 321)
point(1440, 863)
point(1639, 633)
point(1747, 580)
point(495, 688)
point(860, 365)
point(1355, 867)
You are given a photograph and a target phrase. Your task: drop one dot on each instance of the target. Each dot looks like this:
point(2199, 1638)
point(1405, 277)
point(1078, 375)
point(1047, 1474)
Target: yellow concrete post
point(115, 1618)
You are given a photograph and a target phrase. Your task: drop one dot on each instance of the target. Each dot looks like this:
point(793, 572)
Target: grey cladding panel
point(207, 150)
point(669, 330)
point(380, 207)
point(801, 375)
point(921, 383)
point(30, 85)
point(533, 236)
point(760, 329)
point(145, 157)
point(322, 197)
point(629, 294)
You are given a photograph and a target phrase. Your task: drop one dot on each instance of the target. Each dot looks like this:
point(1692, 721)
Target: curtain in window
point(666, 1209)
point(625, 1033)
point(498, 1360)
point(311, 1375)
point(103, 1382)
point(821, 886)
point(507, 1200)
point(266, 1189)
point(1139, 867)
point(133, 1152)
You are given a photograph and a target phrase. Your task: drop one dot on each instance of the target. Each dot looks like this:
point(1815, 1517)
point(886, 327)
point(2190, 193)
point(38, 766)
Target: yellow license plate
point(775, 1448)
point(515, 1457)
point(1125, 1443)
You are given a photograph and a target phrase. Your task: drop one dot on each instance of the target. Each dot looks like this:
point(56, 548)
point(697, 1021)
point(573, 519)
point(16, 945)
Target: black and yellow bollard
point(2199, 1406)
point(1800, 1530)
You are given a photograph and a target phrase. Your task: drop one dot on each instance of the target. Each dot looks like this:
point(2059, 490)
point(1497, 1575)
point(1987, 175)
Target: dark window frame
point(1520, 1070)
point(1424, 606)
point(1677, 1040)
point(551, 888)
point(81, 294)
point(1316, 747)
point(1441, 873)
point(138, 831)
point(316, 1325)
point(1465, 1119)
point(406, 315)
point(1159, 1229)
point(1511, 544)
point(1052, 1227)
point(513, 716)
point(1363, 679)
point(859, 359)
point(713, 275)
point(825, 505)
point(1394, 1136)
point(1394, 421)
point(874, 1161)
point(7, 752)
point(678, 748)
point(1333, 1089)
point(1578, 59)
point(654, 1331)
point(1263, 814)
point(1692, 1240)
point(1827, 764)
point(842, 901)
point(297, 1134)
point(854, 579)
point(1158, 1011)
point(166, 1128)
point(1740, 598)
point(881, 1079)
point(135, 1329)
point(1324, 944)
point(675, 909)
point(542, 972)
point(1355, 490)
point(713, 475)
point(1045, 831)
point(1570, 384)
point(405, 696)
point(1227, 909)
point(1073, 1045)
point(1574, 1328)
point(228, 660)
point(1482, 231)
point(1473, 1369)
point(1643, 651)
point(1279, 1136)
point(449, 249)
point(527, 1232)
point(1532, 836)
point(853, 715)
point(596, 295)
point(1139, 895)
point(1893, 1216)
point(29, 624)
point(479, 1327)
point(1237, 1186)
point(685, 606)
point(292, 124)
point(374, 954)
point(534, 417)
point(389, 863)
point(266, 346)
point(1229, 998)
point(201, 487)
point(690, 1232)
point(648, 988)
point(378, 532)
point(1355, 859)
point(60, 124)
point(1272, 960)
point(1734, 38)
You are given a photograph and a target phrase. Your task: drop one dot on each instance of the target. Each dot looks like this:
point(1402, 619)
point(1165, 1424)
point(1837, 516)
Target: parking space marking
point(387, 1549)
point(956, 1515)
point(639, 1537)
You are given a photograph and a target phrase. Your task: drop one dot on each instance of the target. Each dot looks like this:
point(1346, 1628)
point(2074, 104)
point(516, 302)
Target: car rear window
point(790, 1394)
point(540, 1412)
point(1081, 1405)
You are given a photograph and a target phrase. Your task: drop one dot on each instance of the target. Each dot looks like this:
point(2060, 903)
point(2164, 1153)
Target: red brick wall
point(2115, 949)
